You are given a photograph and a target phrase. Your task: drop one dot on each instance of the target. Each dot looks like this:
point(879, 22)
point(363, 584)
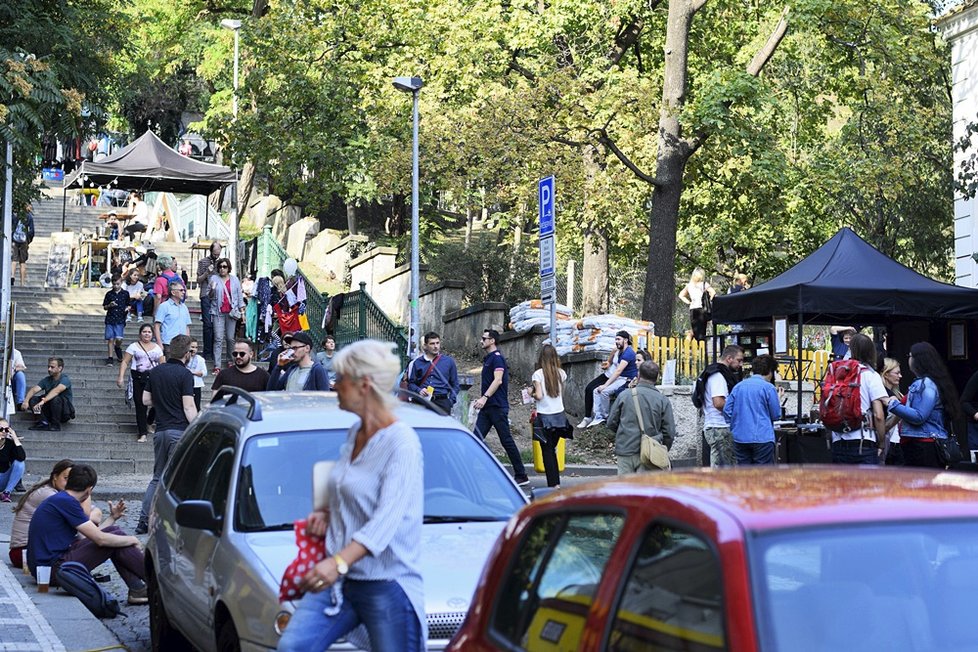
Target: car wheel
point(227, 638)
point(163, 637)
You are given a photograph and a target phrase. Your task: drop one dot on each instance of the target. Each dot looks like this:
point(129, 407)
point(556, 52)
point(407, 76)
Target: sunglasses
point(239, 354)
point(2, 429)
point(224, 267)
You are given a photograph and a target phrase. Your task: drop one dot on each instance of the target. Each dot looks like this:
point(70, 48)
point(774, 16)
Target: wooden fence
point(692, 357)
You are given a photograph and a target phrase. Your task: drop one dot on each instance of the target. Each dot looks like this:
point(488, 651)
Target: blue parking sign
point(546, 195)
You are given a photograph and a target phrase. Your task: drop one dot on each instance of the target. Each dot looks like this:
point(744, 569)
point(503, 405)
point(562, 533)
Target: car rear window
point(461, 479)
point(894, 587)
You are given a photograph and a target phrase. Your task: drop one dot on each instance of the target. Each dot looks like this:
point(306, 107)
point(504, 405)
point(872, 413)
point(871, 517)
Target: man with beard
point(297, 369)
point(51, 398)
point(618, 370)
point(207, 267)
point(243, 374)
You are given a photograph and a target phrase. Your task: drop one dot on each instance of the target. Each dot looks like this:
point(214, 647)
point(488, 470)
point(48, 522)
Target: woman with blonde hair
point(891, 375)
point(692, 295)
point(373, 523)
point(550, 423)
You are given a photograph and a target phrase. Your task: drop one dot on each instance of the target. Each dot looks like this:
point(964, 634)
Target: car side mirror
point(198, 515)
point(537, 493)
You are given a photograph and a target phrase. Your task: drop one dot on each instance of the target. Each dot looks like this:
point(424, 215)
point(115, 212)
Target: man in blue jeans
point(751, 408)
point(493, 405)
point(170, 391)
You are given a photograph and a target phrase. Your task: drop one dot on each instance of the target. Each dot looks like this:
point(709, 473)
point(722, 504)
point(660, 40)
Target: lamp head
point(408, 84)
point(231, 24)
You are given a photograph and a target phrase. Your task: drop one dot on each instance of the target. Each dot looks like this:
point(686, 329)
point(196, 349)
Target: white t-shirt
point(194, 364)
point(141, 213)
point(716, 385)
point(549, 404)
point(695, 292)
point(870, 389)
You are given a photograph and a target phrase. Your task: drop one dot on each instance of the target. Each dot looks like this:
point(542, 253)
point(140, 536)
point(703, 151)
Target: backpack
point(841, 406)
point(699, 388)
point(75, 579)
point(20, 232)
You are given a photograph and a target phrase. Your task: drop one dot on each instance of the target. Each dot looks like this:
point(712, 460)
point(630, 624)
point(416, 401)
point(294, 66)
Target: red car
point(788, 559)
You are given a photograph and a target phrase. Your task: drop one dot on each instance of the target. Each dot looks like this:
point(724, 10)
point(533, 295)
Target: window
point(673, 596)
point(204, 470)
point(555, 575)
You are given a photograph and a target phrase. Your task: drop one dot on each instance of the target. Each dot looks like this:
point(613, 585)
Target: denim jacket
point(923, 415)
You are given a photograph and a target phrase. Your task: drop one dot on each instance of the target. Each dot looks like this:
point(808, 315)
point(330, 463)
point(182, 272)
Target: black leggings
point(548, 451)
point(138, 385)
point(697, 320)
point(589, 394)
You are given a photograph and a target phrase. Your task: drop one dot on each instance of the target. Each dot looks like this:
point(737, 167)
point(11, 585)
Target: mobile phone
point(288, 354)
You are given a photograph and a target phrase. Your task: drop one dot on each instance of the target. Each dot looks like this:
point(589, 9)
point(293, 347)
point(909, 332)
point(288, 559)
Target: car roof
point(767, 498)
point(291, 411)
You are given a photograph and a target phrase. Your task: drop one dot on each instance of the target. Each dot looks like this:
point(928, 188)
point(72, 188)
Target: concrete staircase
point(69, 323)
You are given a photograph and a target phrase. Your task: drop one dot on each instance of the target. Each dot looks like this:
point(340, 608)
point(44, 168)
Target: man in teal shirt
point(51, 398)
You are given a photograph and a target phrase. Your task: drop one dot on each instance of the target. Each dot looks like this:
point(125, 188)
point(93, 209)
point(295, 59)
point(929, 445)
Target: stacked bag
point(590, 333)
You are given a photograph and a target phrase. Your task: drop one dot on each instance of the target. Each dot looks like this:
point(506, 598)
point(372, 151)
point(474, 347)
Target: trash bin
point(538, 455)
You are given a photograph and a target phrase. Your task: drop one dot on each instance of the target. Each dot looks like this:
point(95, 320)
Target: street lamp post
point(413, 85)
point(235, 26)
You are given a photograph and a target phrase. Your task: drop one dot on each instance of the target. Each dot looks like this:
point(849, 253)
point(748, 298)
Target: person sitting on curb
point(18, 377)
point(12, 458)
point(52, 537)
point(28, 503)
point(51, 398)
point(297, 370)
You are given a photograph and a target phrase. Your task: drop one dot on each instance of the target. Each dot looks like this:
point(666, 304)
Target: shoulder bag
point(707, 303)
point(653, 453)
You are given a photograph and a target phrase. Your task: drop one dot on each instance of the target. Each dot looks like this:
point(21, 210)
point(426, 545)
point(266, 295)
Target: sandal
point(141, 439)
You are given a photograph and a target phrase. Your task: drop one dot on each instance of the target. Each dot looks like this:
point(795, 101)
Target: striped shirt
point(377, 500)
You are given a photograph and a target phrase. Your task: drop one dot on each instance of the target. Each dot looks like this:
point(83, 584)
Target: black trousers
point(57, 411)
point(138, 385)
point(697, 321)
point(548, 451)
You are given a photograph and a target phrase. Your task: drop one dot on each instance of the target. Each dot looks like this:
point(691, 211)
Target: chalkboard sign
point(59, 258)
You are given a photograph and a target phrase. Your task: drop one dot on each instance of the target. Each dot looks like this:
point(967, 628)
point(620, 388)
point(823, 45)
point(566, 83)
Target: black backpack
point(75, 579)
point(699, 388)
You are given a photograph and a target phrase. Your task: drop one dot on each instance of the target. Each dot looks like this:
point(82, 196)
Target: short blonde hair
point(375, 361)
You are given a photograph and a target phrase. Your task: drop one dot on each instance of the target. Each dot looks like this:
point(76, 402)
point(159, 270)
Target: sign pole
point(548, 255)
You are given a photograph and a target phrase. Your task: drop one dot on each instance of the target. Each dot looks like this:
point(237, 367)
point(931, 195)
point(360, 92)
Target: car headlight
point(282, 619)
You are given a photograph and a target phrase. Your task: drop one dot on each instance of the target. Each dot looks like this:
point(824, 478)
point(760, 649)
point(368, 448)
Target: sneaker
point(40, 425)
point(142, 529)
point(140, 319)
point(138, 596)
point(522, 481)
point(584, 422)
point(19, 489)
point(597, 421)
point(109, 362)
point(5, 497)
point(129, 318)
point(141, 439)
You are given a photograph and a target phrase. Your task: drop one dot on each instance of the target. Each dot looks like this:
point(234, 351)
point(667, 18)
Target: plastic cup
point(43, 578)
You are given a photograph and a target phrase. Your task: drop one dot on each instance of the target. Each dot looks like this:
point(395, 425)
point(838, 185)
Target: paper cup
point(43, 578)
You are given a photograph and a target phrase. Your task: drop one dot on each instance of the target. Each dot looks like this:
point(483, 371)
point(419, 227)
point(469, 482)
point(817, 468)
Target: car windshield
point(889, 587)
point(462, 482)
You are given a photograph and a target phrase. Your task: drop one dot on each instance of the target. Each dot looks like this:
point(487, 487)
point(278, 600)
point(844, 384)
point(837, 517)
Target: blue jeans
point(164, 443)
point(207, 346)
point(381, 606)
point(20, 387)
point(494, 417)
point(847, 452)
point(10, 477)
point(757, 453)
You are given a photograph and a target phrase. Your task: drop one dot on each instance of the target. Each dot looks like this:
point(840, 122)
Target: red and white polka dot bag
point(312, 550)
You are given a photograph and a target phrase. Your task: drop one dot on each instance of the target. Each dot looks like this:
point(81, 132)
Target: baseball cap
point(301, 337)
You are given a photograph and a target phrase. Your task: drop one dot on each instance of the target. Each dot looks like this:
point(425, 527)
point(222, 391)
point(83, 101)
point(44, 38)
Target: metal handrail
point(361, 317)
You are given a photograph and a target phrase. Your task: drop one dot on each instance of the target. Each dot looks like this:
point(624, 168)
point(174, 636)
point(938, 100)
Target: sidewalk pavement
point(56, 621)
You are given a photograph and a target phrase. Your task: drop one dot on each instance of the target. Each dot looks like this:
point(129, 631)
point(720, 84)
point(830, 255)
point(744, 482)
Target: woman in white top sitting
point(373, 524)
point(551, 423)
point(692, 296)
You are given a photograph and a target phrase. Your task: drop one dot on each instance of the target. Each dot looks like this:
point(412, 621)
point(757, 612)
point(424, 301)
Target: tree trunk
point(594, 290)
point(671, 157)
point(246, 187)
point(351, 218)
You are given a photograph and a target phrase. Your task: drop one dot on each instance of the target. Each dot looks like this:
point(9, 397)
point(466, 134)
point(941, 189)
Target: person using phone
point(12, 458)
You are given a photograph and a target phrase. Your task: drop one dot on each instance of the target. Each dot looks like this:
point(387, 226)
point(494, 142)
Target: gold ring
point(321, 583)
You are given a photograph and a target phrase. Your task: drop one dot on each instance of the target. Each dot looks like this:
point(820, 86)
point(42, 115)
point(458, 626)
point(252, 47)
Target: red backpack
point(841, 406)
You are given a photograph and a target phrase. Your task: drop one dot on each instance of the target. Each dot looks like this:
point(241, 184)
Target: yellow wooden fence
point(692, 357)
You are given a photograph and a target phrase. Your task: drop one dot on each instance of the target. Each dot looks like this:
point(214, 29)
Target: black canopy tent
point(148, 164)
point(847, 281)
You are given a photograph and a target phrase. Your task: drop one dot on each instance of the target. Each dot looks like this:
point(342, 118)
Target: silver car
point(221, 528)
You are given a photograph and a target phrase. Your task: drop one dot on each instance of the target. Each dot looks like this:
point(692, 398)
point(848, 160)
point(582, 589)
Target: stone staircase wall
point(69, 323)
